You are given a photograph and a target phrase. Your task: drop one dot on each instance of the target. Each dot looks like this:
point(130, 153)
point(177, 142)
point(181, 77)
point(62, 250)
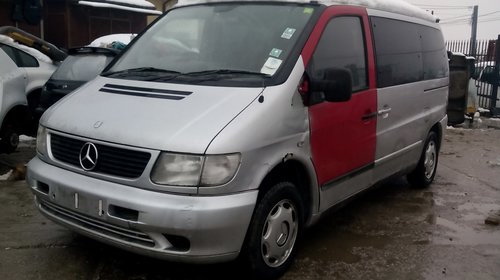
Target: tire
point(424, 173)
point(9, 141)
point(274, 231)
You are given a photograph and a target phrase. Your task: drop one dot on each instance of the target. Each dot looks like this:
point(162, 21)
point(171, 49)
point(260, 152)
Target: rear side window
point(342, 46)
point(407, 52)
point(20, 58)
point(435, 59)
point(10, 52)
point(26, 60)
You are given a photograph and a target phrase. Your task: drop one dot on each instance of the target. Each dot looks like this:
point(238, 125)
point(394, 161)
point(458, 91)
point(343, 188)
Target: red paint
point(341, 141)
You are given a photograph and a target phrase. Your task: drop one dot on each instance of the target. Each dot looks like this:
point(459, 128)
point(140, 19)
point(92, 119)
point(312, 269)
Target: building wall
point(68, 25)
point(161, 5)
point(6, 10)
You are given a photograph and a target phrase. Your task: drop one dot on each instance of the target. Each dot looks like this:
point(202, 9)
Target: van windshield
point(216, 43)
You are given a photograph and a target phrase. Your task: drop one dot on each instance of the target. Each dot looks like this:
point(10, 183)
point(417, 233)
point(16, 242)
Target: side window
point(435, 59)
point(21, 58)
point(398, 52)
point(342, 45)
point(10, 52)
point(27, 60)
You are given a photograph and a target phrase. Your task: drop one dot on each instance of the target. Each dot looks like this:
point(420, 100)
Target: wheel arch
point(438, 129)
point(33, 98)
point(13, 115)
point(297, 173)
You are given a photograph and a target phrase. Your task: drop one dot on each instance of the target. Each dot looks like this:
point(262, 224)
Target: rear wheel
point(424, 173)
point(9, 141)
point(275, 228)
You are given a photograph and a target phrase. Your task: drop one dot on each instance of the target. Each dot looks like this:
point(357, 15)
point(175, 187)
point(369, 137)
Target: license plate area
point(80, 202)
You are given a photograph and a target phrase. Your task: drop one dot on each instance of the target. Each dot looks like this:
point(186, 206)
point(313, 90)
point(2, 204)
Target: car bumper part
point(198, 229)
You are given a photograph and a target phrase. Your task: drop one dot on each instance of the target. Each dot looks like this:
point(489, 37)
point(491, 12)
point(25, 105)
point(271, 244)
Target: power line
point(436, 8)
point(443, 6)
point(490, 13)
point(468, 21)
point(451, 13)
point(490, 19)
point(466, 18)
point(457, 17)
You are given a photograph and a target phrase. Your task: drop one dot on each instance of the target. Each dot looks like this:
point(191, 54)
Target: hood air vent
point(145, 92)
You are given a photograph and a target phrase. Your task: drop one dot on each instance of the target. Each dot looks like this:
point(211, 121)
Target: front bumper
point(174, 227)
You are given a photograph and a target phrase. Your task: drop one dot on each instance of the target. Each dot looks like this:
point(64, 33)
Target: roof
point(103, 41)
point(139, 6)
point(30, 41)
point(394, 6)
point(36, 53)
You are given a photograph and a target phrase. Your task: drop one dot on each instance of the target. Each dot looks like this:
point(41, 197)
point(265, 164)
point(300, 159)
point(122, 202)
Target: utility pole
point(472, 50)
point(494, 109)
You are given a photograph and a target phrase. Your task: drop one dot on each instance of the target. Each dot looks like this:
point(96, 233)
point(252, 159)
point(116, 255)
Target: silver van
point(226, 128)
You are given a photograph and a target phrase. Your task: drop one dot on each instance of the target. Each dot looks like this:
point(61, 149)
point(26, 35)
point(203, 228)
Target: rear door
point(412, 81)
point(342, 133)
point(13, 78)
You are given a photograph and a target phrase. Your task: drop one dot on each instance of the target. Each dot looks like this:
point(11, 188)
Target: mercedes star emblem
point(88, 156)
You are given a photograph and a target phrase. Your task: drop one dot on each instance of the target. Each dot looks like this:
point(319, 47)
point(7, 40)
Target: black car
point(82, 65)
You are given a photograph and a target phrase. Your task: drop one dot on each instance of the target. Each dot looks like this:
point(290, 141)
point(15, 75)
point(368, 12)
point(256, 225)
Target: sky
point(455, 17)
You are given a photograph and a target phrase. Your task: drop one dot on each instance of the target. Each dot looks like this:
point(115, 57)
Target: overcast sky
point(455, 17)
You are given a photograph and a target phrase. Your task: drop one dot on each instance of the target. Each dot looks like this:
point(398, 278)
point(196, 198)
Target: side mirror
point(336, 85)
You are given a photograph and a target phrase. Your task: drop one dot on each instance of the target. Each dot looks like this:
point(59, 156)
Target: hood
point(161, 116)
point(62, 87)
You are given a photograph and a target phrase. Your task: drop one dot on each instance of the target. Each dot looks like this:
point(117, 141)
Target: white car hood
point(142, 114)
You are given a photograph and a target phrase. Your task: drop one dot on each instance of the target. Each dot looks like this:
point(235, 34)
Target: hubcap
point(14, 139)
point(279, 233)
point(430, 160)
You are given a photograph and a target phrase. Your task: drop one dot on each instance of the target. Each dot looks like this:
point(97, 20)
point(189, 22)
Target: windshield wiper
point(225, 72)
point(157, 74)
point(135, 71)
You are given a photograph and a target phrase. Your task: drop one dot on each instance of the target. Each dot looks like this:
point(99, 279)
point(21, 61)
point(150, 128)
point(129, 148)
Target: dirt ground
point(391, 232)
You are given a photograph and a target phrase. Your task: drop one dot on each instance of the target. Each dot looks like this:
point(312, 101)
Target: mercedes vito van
point(226, 128)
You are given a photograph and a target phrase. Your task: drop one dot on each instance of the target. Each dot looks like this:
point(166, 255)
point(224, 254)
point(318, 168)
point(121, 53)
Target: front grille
point(121, 233)
point(112, 160)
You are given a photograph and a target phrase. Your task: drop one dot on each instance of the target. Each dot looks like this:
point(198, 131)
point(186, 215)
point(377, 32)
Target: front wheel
point(274, 230)
point(424, 173)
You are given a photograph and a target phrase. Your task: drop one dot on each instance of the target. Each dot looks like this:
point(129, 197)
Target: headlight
point(177, 170)
point(41, 140)
point(194, 170)
point(219, 169)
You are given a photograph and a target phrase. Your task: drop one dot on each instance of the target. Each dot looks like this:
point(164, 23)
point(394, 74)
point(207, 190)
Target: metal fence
point(486, 54)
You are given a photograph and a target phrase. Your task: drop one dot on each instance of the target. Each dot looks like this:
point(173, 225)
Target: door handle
point(384, 112)
point(369, 116)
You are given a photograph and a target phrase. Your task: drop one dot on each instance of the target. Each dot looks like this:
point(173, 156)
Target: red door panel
point(341, 140)
point(343, 134)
